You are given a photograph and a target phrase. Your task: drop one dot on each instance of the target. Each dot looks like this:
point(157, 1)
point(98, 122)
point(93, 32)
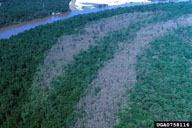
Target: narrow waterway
point(9, 31)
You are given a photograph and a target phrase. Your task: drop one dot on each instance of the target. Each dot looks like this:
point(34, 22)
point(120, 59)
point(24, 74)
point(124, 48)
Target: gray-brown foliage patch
point(100, 110)
point(68, 46)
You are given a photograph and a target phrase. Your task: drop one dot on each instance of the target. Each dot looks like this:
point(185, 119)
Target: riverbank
point(74, 6)
point(15, 11)
point(11, 30)
point(80, 4)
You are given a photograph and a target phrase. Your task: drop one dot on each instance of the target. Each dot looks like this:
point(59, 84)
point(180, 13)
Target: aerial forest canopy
point(163, 70)
point(16, 11)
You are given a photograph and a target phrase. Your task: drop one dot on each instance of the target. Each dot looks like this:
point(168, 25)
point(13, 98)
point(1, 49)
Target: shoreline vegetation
point(14, 11)
point(24, 104)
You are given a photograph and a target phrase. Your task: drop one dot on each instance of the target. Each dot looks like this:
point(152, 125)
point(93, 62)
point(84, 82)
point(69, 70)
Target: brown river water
point(9, 31)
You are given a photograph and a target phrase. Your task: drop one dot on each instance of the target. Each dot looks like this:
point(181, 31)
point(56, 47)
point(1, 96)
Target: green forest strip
point(17, 11)
point(163, 91)
point(21, 55)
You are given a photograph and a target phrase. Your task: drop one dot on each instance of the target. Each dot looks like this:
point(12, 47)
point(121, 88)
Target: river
point(9, 31)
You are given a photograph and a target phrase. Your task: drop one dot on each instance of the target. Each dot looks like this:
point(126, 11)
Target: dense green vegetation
point(164, 85)
point(16, 11)
point(21, 55)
